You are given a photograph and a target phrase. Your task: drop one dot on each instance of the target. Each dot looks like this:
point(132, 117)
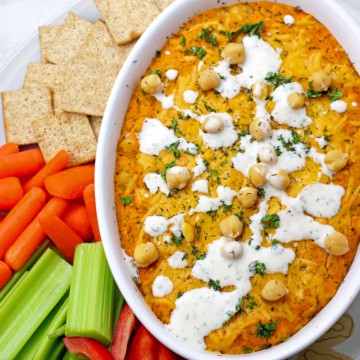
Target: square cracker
point(70, 37)
point(95, 122)
point(163, 4)
point(71, 132)
point(127, 19)
point(20, 108)
point(50, 75)
point(47, 35)
point(87, 87)
point(100, 46)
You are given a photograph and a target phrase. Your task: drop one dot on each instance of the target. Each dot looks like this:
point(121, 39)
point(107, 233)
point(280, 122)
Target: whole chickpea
point(188, 231)
point(335, 160)
point(279, 179)
point(337, 243)
point(231, 227)
point(274, 290)
point(145, 254)
point(248, 196)
point(232, 249)
point(151, 84)
point(296, 100)
point(208, 80)
point(319, 81)
point(267, 154)
point(235, 52)
point(257, 174)
point(260, 129)
point(259, 90)
point(212, 125)
point(177, 177)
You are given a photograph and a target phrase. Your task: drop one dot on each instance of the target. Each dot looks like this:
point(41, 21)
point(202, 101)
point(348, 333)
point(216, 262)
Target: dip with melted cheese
point(237, 176)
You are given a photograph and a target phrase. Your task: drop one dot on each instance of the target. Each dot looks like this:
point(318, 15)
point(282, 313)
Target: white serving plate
point(155, 37)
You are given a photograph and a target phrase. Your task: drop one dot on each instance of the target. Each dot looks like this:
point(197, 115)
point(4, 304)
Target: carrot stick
point(60, 234)
point(1, 218)
point(10, 192)
point(19, 217)
point(56, 164)
point(89, 198)
point(9, 148)
point(77, 218)
point(21, 164)
point(31, 238)
point(5, 274)
point(70, 183)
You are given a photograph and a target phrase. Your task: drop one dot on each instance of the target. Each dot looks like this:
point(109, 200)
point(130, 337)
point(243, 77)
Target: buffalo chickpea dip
point(237, 176)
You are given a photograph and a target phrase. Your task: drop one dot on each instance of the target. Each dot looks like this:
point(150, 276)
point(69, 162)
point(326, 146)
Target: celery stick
point(118, 305)
point(57, 333)
point(45, 348)
point(58, 351)
point(34, 258)
point(69, 356)
point(10, 292)
point(31, 347)
point(32, 301)
point(90, 312)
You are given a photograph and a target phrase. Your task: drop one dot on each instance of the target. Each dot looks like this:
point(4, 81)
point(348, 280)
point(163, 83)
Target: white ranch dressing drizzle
point(154, 182)
point(177, 260)
point(339, 106)
point(321, 141)
point(206, 204)
point(289, 19)
point(261, 58)
point(162, 286)
point(171, 74)
point(283, 113)
point(190, 96)
point(200, 186)
point(200, 166)
point(167, 102)
point(131, 265)
point(156, 225)
point(155, 137)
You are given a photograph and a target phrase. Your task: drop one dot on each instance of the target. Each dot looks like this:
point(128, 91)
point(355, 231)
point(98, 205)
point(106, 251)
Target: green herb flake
point(295, 137)
point(215, 284)
point(252, 29)
point(258, 268)
point(177, 240)
point(266, 330)
point(208, 107)
point(238, 308)
point(179, 294)
point(226, 208)
point(198, 231)
point(313, 94)
point(199, 52)
point(175, 126)
point(208, 36)
point(196, 252)
point(247, 351)
point(156, 72)
point(126, 200)
point(252, 304)
point(277, 79)
point(271, 221)
point(174, 148)
point(167, 166)
point(335, 94)
point(183, 41)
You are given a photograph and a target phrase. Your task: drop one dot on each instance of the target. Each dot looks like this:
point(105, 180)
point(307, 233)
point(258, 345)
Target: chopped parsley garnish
point(266, 330)
point(247, 351)
point(311, 94)
point(271, 221)
point(328, 137)
point(252, 29)
point(199, 52)
point(288, 145)
point(226, 208)
point(196, 252)
point(208, 107)
point(126, 200)
point(261, 193)
point(252, 304)
point(212, 214)
point(335, 94)
point(177, 240)
point(240, 215)
point(274, 242)
point(175, 127)
point(174, 148)
point(257, 268)
point(295, 137)
point(198, 231)
point(183, 41)
point(207, 35)
point(156, 72)
point(277, 79)
point(278, 150)
point(179, 294)
point(238, 308)
point(182, 117)
point(167, 166)
point(215, 284)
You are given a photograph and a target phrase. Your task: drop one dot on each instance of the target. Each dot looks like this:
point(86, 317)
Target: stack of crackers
point(63, 98)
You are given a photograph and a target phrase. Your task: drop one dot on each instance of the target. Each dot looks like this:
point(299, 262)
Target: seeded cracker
point(70, 132)
point(47, 35)
point(100, 46)
point(127, 19)
point(163, 4)
point(95, 122)
point(49, 75)
point(70, 37)
point(20, 108)
point(87, 87)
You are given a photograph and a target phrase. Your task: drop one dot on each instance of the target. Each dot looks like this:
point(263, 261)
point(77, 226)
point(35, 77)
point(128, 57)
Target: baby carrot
point(31, 238)
point(56, 164)
point(10, 192)
point(19, 217)
point(9, 148)
point(60, 234)
point(89, 198)
point(70, 183)
point(77, 218)
point(5, 274)
point(21, 164)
